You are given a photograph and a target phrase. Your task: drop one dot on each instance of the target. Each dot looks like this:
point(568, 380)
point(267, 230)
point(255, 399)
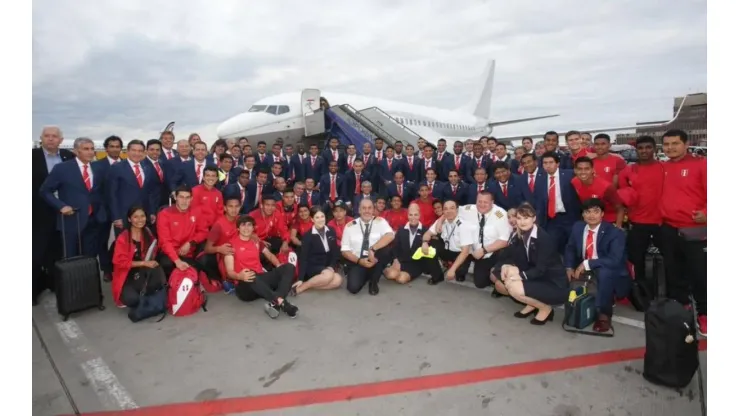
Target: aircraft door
point(313, 116)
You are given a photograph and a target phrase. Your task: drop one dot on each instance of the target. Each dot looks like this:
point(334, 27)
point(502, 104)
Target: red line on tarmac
point(384, 388)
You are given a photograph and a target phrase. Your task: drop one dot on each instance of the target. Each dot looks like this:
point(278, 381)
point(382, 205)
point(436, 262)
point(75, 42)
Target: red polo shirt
point(247, 254)
point(685, 191)
point(609, 166)
point(643, 189)
point(602, 189)
point(272, 226)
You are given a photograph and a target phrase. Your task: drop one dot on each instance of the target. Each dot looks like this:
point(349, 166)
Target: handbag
point(150, 304)
point(580, 309)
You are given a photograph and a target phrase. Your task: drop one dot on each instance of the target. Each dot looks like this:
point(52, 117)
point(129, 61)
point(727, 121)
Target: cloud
point(129, 67)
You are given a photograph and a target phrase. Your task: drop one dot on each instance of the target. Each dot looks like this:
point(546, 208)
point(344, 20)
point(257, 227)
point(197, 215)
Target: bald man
point(407, 241)
point(46, 245)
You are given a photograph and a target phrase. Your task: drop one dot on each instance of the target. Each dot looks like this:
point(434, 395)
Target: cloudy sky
point(128, 67)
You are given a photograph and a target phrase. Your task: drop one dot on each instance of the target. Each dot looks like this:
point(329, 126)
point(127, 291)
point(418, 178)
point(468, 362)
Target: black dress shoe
point(525, 315)
point(431, 281)
point(550, 317)
point(372, 288)
point(495, 294)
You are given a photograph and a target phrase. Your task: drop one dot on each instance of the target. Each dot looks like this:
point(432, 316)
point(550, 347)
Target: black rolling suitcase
point(77, 280)
point(672, 347)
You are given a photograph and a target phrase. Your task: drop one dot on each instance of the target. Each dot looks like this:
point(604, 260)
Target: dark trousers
point(609, 283)
point(638, 240)
point(87, 239)
point(447, 255)
point(559, 229)
point(685, 268)
point(46, 248)
point(268, 286)
point(168, 265)
point(105, 252)
point(424, 265)
point(131, 290)
point(208, 263)
point(482, 270)
point(357, 275)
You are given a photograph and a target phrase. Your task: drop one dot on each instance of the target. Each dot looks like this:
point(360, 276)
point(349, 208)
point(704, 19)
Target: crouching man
point(253, 282)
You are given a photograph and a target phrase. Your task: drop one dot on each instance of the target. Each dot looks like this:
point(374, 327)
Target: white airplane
point(295, 115)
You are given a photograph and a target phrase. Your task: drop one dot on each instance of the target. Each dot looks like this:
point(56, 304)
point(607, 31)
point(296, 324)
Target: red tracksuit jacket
point(175, 228)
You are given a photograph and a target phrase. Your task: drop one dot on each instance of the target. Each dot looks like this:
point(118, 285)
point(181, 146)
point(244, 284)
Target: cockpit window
point(272, 109)
point(257, 108)
point(282, 109)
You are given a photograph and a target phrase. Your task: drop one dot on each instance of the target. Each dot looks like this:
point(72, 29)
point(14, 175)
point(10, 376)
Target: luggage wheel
point(65, 318)
point(101, 307)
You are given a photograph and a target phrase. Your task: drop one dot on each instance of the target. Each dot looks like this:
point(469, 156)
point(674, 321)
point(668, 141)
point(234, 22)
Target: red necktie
point(88, 184)
point(364, 159)
point(159, 171)
point(531, 182)
point(243, 195)
point(480, 161)
point(400, 191)
point(137, 172)
point(504, 188)
point(454, 190)
point(551, 198)
point(357, 183)
point(334, 155)
point(439, 156)
point(313, 161)
point(262, 157)
point(590, 245)
point(333, 188)
point(309, 199)
point(218, 161)
point(198, 172)
point(457, 162)
point(480, 188)
point(350, 160)
point(259, 193)
point(169, 154)
point(411, 163)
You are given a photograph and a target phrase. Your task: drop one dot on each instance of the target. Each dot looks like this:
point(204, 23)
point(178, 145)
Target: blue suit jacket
point(522, 184)
point(460, 196)
point(409, 192)
point(315, 198)
point(66, 179)
point(513, 195)
point(348, 193)
point(123, 190)
point(314, 172)
point(472, 195)
point(448, 163)
point(568, 195)
point(185, 174)
point(610, 248)
point(325, 187)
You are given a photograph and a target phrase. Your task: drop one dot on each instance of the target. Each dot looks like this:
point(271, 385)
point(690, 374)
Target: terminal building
point(693, 120)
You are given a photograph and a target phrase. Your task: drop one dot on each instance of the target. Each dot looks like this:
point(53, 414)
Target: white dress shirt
point(354, 232)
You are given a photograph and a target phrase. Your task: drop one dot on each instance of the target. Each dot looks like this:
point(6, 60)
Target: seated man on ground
point(598, 246)
point(409, 239)
point(210, 261)
point(365, 247)
point(253, 282)
point(182, 232)
point(270, 226)
point(530, 269)
point(449, 247)
point(319, 255)
point(131, 272)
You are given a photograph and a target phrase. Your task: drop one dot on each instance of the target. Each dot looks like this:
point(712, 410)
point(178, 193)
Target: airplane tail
point(480, 104)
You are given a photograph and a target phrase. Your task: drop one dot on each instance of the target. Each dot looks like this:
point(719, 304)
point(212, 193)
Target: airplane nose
point(227, 128)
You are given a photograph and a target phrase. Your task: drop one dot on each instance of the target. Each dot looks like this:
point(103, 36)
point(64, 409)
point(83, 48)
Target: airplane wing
point(602, 129)
point(519, 120)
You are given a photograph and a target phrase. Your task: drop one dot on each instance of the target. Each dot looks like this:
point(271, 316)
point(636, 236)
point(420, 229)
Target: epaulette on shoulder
point(499, 214)
point(468, 207)
point(459, 221)
point(353, 222)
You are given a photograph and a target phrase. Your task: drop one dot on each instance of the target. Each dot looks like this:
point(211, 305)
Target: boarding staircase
point(363, 126)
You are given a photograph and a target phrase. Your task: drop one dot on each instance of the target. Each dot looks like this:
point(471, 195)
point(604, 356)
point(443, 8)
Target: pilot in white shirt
point(365, 247)
point(487, 231)
point(449, 246)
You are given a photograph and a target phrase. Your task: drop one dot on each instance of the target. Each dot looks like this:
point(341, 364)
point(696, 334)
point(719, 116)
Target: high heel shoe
point(525, 315)
point(550, 317)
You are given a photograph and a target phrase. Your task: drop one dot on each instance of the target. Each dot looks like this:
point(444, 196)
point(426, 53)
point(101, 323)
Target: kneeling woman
point(318, 257)
point(407, 241)
point(132, 274)
point(531, 270)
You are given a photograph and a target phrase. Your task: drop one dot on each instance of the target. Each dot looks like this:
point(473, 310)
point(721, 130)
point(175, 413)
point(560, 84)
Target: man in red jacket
point(588, 185)
point(641, 188)
point(207, 199)
point(217, 243)
point(684, 231)
point(606, 164)
point(270, 226)
point(181, 230)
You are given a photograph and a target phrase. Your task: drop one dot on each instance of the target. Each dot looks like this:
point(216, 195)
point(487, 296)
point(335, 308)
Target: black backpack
point(672, 346)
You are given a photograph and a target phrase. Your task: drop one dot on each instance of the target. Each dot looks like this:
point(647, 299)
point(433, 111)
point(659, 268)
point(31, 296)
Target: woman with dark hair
point(318, 257)
point(132, 272)
point(530, 269)
point(219, 147)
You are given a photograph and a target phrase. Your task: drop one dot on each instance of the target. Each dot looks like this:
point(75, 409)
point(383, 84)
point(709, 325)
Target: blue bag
point(150, 304)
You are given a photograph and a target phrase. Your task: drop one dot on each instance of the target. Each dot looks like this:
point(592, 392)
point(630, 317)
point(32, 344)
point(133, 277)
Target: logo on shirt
point(606, 169)
point(174, 224)
point(192, 218)
point(594, 196)
point(684, 172)
point(241, 248)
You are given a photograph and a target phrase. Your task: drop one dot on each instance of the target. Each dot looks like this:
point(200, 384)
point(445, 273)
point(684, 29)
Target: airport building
point(693, 120)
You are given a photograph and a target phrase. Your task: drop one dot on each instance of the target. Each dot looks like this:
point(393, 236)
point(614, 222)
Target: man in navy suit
point(256, 189)
point(479, 160)
point(599, 247)
point(386, 169)
point(552, 144)
point(332, 153)
point(411, 166)
point(527, 180)
point(435, 186)
point(481, 184)
point(458, 161)
point(330, 194)
point(403, 188)
point(556, 201)
point(441, 156)
point(190, 173)
point(367, 193)
point(353, 180)
point(79, 197)
point(428, 161)
point(239, 189)
point(505, 190)
point(167, 140)
point(455, 189)
point(153, 160)
point(45, 244)
point(132, 183)
point(313, 165)
point(311, 196)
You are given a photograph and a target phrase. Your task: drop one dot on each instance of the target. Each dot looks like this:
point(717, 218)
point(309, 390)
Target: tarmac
point(417, 349)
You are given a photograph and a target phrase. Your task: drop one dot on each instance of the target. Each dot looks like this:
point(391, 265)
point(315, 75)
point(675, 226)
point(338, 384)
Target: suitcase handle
point(64, 236)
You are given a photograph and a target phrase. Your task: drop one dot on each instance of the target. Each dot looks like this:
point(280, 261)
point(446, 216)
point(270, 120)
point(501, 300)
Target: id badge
point(364, 254)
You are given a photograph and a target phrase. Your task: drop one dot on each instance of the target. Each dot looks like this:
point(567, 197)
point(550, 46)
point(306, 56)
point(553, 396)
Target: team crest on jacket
point(684, 172)
point(606, 169)
point(192, 218)
point(174, 223)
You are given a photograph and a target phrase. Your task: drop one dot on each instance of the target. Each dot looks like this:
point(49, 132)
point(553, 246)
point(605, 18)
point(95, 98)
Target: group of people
point(527, 223)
